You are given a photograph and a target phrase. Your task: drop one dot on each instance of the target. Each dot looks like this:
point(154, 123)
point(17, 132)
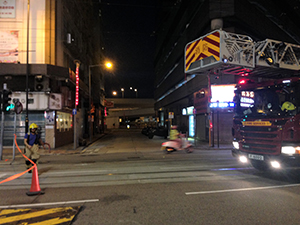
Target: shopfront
point(190, 113)
point(63, 128)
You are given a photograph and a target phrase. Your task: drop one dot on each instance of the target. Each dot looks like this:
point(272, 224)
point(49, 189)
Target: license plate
point(256, 157)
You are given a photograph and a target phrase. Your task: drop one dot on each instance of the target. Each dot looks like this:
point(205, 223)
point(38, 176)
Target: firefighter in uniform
point(32, 141)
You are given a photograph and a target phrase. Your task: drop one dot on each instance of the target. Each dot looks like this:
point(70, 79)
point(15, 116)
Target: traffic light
point(6, 105)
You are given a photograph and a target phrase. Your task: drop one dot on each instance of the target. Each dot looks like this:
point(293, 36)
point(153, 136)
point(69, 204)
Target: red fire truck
point(266, 125)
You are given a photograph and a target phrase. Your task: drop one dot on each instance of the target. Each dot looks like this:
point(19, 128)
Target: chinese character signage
point(9, 44)
point(55, 101)
point(7, 8)
point(77, 85)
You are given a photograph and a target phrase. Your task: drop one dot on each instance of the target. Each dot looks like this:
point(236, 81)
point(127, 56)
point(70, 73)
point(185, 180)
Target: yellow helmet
point(288, 106)
point(33, 126)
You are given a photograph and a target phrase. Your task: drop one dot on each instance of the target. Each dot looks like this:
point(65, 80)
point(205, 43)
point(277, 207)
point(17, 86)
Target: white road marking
point(197, 167)
point(50, 203)
point(241, 189)
point(82, 172)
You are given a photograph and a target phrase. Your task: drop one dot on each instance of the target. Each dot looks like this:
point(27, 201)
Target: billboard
point(9, 45)
point(7, 8)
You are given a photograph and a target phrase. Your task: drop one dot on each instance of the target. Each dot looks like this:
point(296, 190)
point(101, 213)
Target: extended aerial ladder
point(236, 54)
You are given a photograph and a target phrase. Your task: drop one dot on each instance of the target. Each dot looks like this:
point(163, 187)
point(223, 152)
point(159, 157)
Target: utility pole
point(27, 67)
point(2, 125)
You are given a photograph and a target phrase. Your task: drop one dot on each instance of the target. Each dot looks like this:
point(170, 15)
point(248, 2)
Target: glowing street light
point(122, 89)
point(136, 92)
point(108, 65)
point(114, 93)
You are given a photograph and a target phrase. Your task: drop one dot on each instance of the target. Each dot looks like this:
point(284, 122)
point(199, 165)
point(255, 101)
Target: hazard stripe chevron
point(62, 216)
point(202, 48)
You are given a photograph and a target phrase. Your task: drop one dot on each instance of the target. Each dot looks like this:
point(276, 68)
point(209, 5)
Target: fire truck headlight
point(290, 150)
point(243, 159)
point(235, 144)
point(275, 164)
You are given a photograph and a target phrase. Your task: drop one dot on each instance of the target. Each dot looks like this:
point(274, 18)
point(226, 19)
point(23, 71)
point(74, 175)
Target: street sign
point(171, 115)
point(74, 111)
point(18, 107)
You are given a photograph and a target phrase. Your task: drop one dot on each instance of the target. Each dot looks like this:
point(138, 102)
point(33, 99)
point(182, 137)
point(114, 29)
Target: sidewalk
point(62, 150)
point(69, 148)
point(207, 147)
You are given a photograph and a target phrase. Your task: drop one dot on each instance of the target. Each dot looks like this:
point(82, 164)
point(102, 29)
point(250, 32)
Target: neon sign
point(77, 86)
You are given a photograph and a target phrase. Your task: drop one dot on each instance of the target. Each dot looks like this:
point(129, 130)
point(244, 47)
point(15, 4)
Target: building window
point(64, 121)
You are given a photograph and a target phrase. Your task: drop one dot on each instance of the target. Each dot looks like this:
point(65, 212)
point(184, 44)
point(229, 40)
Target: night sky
point(128, 28)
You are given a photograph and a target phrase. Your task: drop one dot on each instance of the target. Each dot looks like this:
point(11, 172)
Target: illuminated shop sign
point(188, 111)
point(222, 105)
point(222, 96)
point(192, 126)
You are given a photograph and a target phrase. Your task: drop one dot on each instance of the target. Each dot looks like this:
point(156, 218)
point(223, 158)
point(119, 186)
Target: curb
point(7, 152)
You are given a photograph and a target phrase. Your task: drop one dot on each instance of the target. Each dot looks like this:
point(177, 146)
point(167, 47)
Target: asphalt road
point(124, 178)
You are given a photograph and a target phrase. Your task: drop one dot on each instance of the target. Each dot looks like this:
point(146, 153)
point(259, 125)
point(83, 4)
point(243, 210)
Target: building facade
point(181, 98)
point(41, 41)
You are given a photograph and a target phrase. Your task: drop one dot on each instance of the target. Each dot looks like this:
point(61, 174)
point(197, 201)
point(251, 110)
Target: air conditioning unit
point(41, 83)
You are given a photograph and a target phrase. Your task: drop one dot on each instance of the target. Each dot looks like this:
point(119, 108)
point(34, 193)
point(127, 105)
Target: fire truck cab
point(266, 124)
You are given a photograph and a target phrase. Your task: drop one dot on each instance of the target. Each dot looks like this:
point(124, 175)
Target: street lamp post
point(122, 89)
point(27, 67)
point(136, 93)
point(90, 101)
point(107, 65)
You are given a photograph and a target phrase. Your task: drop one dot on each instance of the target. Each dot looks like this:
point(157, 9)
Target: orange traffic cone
point(35, 186)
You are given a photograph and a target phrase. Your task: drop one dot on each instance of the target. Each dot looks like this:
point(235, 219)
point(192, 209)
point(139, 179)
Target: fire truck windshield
point(270, 101)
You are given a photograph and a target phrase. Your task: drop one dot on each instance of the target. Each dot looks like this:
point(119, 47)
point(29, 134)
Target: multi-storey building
point(40, 41)
point(178, 94)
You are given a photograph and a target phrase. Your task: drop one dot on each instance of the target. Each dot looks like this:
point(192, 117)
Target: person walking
point(32, 141)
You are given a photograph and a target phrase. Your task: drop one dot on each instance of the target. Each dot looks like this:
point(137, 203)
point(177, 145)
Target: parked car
point(146, 130)
point(158, 131)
